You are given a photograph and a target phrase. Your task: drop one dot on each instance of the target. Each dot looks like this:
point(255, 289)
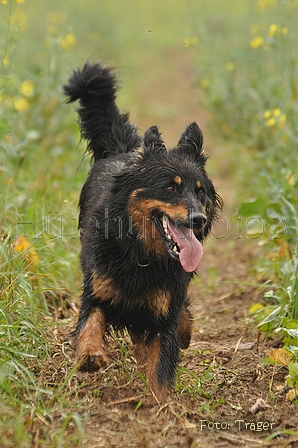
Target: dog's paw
point(92, 363)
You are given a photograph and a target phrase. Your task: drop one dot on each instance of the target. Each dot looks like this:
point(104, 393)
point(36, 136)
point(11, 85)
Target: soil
point(225, 395)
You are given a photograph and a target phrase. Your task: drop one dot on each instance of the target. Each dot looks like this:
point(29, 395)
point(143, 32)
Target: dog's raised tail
point(107, 131)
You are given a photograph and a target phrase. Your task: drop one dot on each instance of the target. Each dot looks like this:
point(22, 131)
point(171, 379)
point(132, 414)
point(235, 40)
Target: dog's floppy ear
point(191, 142)
point(153, 140)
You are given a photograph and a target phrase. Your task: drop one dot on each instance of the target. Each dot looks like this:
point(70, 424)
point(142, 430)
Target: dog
point(144, 212)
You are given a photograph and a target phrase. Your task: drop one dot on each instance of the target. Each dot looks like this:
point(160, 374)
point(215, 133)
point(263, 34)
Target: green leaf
point(292, 332)
point(254, 207)
point(292, 378)
point(273, 214)
point(272, 316)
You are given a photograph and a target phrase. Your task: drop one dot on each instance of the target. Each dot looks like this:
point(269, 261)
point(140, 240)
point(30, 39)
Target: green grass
point(247, 65)
point(42, 168)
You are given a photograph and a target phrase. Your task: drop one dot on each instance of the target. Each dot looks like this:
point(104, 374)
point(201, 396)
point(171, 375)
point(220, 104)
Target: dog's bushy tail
point(107, 131)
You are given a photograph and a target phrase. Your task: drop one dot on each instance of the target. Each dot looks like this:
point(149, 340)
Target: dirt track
point(225, 396)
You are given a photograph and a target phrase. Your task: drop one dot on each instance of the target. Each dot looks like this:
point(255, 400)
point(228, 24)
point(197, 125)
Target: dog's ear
point(153, 140)
point(191, 142)
point(192, 135)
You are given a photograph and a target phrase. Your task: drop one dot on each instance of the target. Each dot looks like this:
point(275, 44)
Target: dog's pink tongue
point(191, 250)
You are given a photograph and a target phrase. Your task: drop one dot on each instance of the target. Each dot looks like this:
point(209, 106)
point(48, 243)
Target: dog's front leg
point(184, 326)
point(89, 340)
point(163, 355)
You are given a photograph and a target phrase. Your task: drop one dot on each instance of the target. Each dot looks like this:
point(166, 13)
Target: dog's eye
point(200, 192)
point(170, 189)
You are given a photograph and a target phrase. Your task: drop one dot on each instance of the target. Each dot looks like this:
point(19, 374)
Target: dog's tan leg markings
point(184, 327)
point(158, 391)
point(91, 354)
point(140, 352)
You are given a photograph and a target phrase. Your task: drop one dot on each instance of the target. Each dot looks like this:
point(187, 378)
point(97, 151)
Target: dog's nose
point(198, 219)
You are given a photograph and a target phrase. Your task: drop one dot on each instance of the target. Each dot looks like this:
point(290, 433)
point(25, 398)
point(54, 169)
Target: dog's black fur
point(143, 210)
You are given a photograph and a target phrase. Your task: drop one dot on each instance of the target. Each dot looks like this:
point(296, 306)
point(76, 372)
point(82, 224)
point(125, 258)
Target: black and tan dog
point(144, 211)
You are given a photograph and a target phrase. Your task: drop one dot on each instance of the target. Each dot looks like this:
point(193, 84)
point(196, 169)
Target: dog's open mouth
point(180, 242)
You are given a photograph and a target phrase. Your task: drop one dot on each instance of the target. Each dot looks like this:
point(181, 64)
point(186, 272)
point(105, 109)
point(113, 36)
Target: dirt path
point(225, 396)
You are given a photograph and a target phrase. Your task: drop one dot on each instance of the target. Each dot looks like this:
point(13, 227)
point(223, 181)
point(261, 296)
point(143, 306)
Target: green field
point(245, 63)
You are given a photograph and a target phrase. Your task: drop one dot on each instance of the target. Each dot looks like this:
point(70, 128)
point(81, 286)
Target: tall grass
point(41, 173)
point(42, 169)
point(247, 65)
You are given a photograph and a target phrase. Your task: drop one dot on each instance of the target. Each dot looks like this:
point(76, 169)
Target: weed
point(252, 92)
point(202, 386)
point(41, 174)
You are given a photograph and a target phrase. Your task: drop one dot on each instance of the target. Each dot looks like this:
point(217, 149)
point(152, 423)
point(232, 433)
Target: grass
point(41, 173)
point(247, 66)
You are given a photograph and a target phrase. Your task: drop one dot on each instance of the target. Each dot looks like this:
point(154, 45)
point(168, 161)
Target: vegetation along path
point(224, 394)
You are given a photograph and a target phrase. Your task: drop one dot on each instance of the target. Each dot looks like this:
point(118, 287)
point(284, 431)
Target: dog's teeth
point(165, 224)
point(175, 249)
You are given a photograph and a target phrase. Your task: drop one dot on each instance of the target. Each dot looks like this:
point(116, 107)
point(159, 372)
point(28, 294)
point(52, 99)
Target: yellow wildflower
point(256, 307)
point(20, 1)
point(68, 41)
point(194, 40)
point(204, 83)
point(229, 66)
point(270, 122)
point(277, 31)
point(19, 19)
point(27, 88)
point(22, 245)
point(190, 41)
point(5, 60)
point(273, 29)
point(4, 2)
point(267, 114)
point(20, 104)
point(263, 4)
point(257, 42)
point(274, 117)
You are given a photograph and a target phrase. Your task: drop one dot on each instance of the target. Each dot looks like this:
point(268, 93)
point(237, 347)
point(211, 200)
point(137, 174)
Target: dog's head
point(172, 203)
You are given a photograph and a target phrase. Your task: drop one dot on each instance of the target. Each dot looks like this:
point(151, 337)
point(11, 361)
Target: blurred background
point(231, 66)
